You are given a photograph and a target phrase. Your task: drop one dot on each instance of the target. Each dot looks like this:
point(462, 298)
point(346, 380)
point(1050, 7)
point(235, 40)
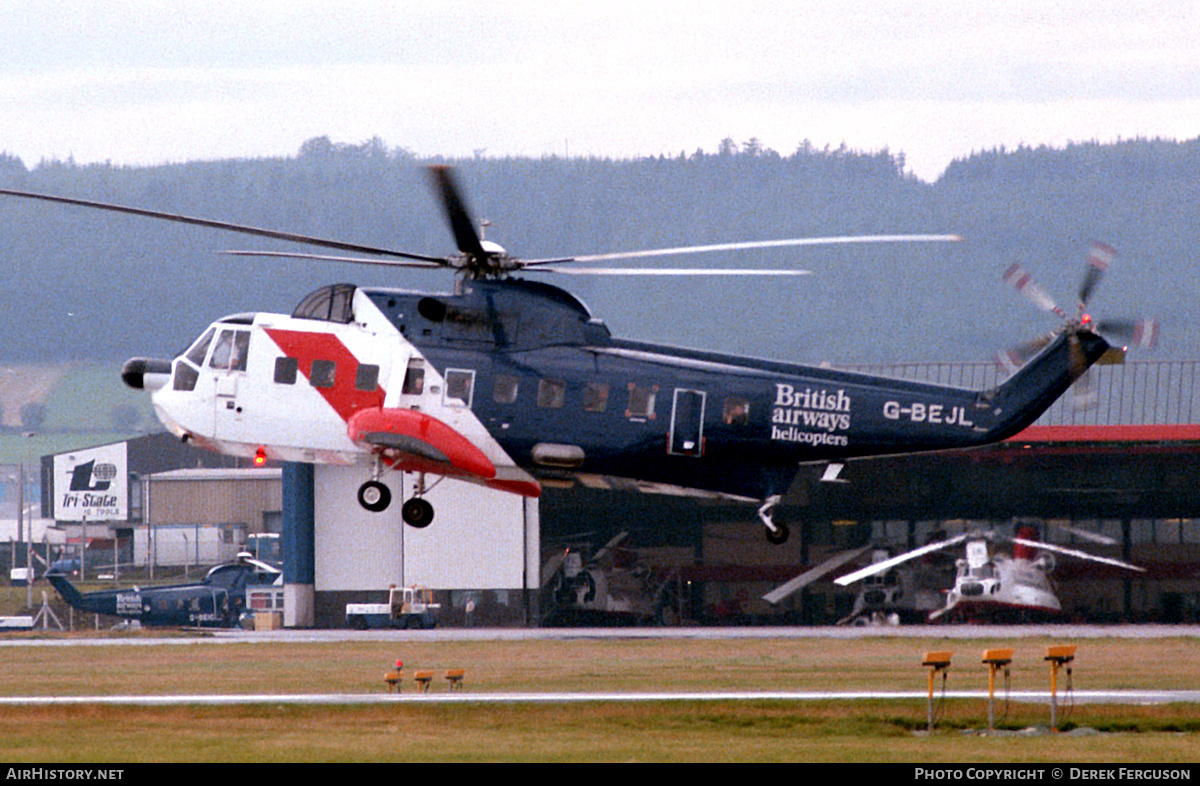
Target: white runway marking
point(286, 637)
point(466, 697)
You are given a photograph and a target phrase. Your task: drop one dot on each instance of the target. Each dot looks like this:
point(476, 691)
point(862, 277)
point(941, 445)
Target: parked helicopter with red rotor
point(506, 381)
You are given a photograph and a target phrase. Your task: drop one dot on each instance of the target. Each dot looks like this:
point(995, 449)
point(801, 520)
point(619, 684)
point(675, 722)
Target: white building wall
point(479, 538)
point(181, 544)
point(353, 549)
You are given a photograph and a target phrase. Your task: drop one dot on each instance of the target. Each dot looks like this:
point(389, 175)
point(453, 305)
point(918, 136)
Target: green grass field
point(669, 731)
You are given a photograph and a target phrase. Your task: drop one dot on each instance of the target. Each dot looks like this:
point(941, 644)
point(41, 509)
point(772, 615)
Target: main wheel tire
point(780, 535)
point(417, 513)
point(374, 496)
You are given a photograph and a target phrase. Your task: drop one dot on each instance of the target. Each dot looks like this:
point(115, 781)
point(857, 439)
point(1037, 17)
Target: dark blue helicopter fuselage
point(563, 397)
point(216, 601)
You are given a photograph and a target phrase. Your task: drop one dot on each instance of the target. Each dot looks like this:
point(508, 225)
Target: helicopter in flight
point(508, 381)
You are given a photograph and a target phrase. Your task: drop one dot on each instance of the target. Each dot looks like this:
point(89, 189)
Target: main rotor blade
point(648, 271)
point(880, 567)
point(800, 241)
point(1075, 553)
point(211, 224)
point(420, 264)
point(465, 236)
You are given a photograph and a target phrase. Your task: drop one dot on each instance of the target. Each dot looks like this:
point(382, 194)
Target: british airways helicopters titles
point(507, 381)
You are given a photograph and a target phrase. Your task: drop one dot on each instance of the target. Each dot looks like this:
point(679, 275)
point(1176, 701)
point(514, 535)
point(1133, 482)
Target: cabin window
point(552, 393)
point(323, 374)
point(641, 401)
point(736, 412)
point(595, 397)
point(505, 390)
point(230, 352)
point(414, 380)
point(460, 384)
point(367, 377)
point(286, 370)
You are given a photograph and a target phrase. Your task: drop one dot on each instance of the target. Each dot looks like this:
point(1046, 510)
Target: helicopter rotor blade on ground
point(887, 564)
point(793, 586)
point(1076, 553)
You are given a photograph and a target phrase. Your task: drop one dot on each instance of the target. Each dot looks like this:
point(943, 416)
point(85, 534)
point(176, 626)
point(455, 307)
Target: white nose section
point(146, 373)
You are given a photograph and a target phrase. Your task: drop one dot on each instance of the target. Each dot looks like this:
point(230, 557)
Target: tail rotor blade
point(1083, 394)
point(1146, 334)
point(1020, 279)
point(1140, 333)
point(1011, 359)
point(1100, 256)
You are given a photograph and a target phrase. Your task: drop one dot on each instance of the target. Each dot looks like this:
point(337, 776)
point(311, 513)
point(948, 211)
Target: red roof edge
point(1183, 432)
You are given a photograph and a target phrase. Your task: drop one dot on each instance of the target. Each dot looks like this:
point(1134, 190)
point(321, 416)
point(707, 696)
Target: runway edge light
point(1058, 655)
point(936, 661)
point(995, 659)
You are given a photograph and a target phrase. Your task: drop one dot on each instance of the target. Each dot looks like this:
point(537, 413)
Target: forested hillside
point(88, 285)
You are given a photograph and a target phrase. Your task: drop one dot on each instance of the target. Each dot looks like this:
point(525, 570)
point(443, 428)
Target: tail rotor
point(1141, 334)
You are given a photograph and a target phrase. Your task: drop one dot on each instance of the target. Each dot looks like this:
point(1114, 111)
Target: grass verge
point(758, 730)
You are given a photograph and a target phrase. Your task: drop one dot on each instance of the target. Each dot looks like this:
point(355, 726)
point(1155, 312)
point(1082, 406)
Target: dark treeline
point(89, 285)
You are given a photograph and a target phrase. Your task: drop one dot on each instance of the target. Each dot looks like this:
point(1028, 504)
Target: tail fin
point(67, 590)
point(1040, 382)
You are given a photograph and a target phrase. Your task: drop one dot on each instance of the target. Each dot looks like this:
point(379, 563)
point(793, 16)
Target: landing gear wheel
point(780, 535)
point(417, 513)
point(374, 496)
point(776, 533)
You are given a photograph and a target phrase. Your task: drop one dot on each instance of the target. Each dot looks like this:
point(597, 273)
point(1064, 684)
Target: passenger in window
point(737, 412)
point(552, 393)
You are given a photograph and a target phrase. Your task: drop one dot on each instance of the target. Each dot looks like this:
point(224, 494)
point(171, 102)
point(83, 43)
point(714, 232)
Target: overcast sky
point(146, 82)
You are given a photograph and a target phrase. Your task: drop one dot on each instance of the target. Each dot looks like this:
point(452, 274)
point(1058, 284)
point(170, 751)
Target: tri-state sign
point(92, 484)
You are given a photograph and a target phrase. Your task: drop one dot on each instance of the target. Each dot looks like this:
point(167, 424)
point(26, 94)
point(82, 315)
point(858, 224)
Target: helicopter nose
point(146, 373)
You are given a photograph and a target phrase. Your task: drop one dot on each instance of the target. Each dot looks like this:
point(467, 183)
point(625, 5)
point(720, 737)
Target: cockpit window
point(185, 376)
point(200, 348)
point(230, 352)
point(334, 303)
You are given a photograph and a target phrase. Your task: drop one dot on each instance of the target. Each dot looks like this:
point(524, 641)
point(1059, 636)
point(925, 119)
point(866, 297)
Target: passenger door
point(686, 437)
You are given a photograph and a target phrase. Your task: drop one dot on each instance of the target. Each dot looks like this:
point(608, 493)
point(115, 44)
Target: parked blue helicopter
point(216, 601)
